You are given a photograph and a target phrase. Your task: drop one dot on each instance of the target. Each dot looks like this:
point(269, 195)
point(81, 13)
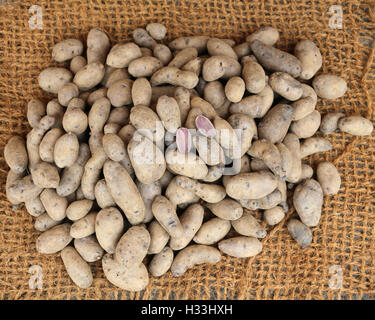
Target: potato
point(66, 150)
point(35, 207)
point(206, 108)
point(98, 114)
point(161, 262)
point(159, 237)
point(54, 204)
point(226, 209)
point(36, 110)
point(308, 201)
point(218, 47)
point(98, 45)
point(248, 226)
point(328, 86)
point(269, 201)
point(227, 138)
point(241, 247)
point(44, 222)
point(147, 159)
point(169, 112)
point(132, 247)
point(269, 154)
point(254, 76)
point(209, 150)
point(71, 176)
point(330, 121)
point(146, 52)
point(194, 65)
point(67, 92)
point(214, 93)
point(300, 232)
point(194, 255)
point(356, 125)
point(309, 55)
point(211, 193)
point(21, 189)
point(178, 195)
point(121, 55)
point(329, 178)
point(156, 30)
point(183, 57)
point(257, 165)
point(77, 63)
point(142, 38)
point(163, 53)
point(47, 145)
point(191, 220)
point(15, 154)
point(274, 215)
point(34, 138)
point(148, 193)
point(119, 93)
point(275, 124)
point(220, 66)
point(266, 35)
point(54, 240)
point(235, 89)
point(141, 92)
point(109, 226)
point(115, 75)
point(188, 164)
point(145, 119)
point(306, 172)
point(89, 248)
point(56, 111)
point(78, 209)
point(114, 147)
point(78, 269)
point(276, 60)
point(75, 121)
point(96, 95)
point(198, 42)
point(291, 141)
point(307, 126)
point(53, 78)
point(286, 159)
point(174, 76)
point(286, 86)
point(84, 227)
point(165, 213)
point(102, 195)
point(45, 175)
point(133, 279)
point(253, 185)
point(89, 76)
point(144, 66)
point(212, 231)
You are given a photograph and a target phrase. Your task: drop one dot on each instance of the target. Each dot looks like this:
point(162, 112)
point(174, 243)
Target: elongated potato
point(146, 159)
point(311, 60)
point(54, 239)
point(89, 248)
point(159, 237)
point(47, 144)
point(102, 195)
point(218, 47)
point(313, 145)
point(141, 92)
point(308, 201)
point(198, 42)
point(84, 227)
point(109, 226)
point(212, 231)
point(328, 177)
point(254, 76)
point(194, 255)
point(114, 147)
point(144, 66)
point(248, 226)
point(169, 112)
point(121, 55)
point(133, 279)
point(209, 150)
point(148, 193)
point(44, 222)
point(15, 154)
point(165, 213)
point(191, 220)
point(241, 247)
point(300, 232)
point(226, 209)
point(124, 191)
point(253, 185)
point(55, 205)
point(78, 269)
point(36, 110)
point(35, 207)
point(291, 141)
point(267, 202)
point(356, 125)
point(66, 150)
point(182, 57)
point(329, 86)
point(276, 60)
point(89, 76)
point(220, 66)
point(189, 164)
point(98, 45)
point(286, 86)
point(161, 262)
point(174, 76)
point(53, 78)
point(266, 35)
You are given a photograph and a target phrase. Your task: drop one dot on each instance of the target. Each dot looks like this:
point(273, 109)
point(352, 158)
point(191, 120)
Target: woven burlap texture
point(343, 243)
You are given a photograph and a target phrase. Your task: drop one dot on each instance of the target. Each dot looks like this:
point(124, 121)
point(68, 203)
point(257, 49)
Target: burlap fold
point(344, 242)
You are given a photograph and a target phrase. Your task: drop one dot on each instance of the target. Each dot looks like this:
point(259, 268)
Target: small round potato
point(156, 30)
point(75, 121)
point(235, 89)
point(274, 216)
point(221, 66)
point(45, 175)
point(77, 63)
point(66, 150)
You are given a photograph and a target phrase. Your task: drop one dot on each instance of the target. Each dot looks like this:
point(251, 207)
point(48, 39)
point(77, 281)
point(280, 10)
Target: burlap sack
point(339, 264)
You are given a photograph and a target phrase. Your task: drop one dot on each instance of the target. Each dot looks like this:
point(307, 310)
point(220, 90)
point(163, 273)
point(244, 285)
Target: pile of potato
point(154, 157)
